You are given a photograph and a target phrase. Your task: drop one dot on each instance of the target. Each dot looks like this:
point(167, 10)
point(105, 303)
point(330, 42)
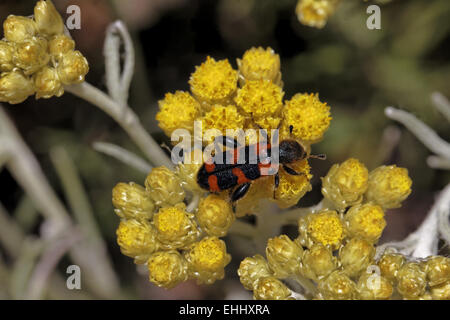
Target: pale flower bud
point(48, 20)
point(15, 87)
point(252, 269)
point(60, 45)
point(18, 28)
point(284, 256)
point(72, 67)
point(164, 187)
point(318, 262)
point(132, 201)
point(31, 54)
point(167, 269)
point(6, 56)
point(356, 256)
point(47, 83)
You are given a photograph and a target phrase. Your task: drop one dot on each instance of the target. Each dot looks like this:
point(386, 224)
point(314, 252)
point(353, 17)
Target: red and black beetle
point(218, 174)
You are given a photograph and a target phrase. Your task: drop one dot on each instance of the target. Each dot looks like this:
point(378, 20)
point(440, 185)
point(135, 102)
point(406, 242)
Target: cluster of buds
point(334, 253)
point(315, 13)
point(158, 230)
point(251, 97)
point(36, 57)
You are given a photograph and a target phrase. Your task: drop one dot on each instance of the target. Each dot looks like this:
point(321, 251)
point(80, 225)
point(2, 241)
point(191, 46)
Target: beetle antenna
point(318, 156)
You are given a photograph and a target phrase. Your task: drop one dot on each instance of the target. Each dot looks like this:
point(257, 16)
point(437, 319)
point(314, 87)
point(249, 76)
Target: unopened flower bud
point(252, 269)
point(132, 201)
point(31, 54)
point(337, 286)
point(441, 292)
point(318, 262)
point(356, 256)
point(372, 286)
point(47, 18)
point(438, 270)
point(389, 186)
point(365, 221)
point(47, 83)
point(345, 183)
point(411, 280)
point(270, 288)
point(167, 268)
point(283, 256)
point(390, 264)
point(315, 13)
point(164, 187)
point(61, 44)
point(72, 67)
point(6, 56)
point(15, 87)
point(18, 28)
point(215, 215)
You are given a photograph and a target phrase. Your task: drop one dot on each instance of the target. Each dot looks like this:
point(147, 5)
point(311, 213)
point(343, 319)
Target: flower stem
point(127, 119)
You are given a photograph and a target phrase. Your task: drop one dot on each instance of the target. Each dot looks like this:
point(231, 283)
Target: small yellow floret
point(219, 119)
point(214, 81)
point(292, 188)
point(259, 63)
point(15, 87)
point(72, 67)
point(164, 187)
point(215, 215)
point(17, 28)
point(308, 117)
point(260, 99)
point(167, 269)
point(324, 227)
point(252, 269)
point(31, 54)
point(315, 13)
point(132, 201)
point(270, 288)
point(210, 254)
point(136, 239)
point(178, 110)
point(47, 83)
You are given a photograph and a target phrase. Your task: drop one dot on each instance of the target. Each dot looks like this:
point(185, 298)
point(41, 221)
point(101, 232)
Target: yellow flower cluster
point(36, 57)
point(315, 13)
point(251, 97)
point(156, 229)
point(334, 253)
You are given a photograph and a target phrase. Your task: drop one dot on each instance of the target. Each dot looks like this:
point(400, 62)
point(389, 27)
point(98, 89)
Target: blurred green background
point(357, 71)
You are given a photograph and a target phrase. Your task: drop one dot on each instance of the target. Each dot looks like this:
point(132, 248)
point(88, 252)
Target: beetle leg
point(291, 171)
point(240, 191)
point(276, 183)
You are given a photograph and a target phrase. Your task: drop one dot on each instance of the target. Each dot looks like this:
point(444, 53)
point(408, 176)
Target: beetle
point(216, 176)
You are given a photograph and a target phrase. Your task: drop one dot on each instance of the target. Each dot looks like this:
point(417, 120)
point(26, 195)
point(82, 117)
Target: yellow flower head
point(438, 270)
point(47, 83)
point(323, 227)
point(175, 227)
point(389, 186)
point(214, 81)
point(6, 56)
point(318, 262)
point(308, 117)
point(260, 99)
point(215, 215)
point(207, 259)
point(47, 18)
point(31, 54)
point(355, 256)
point(315, 13)
point(164, 187)
point(283, 256)
point(15, 87)
point(389, 265)
point(365, 221)
point(292, 188)
point(219, 119)
point(337, 286)
point(374, 287)
point(177, 111)
point(167, 269)
point(252, 269)
point(132, 201)
point(270, 288)
point(72, 67)
point(136, 239)
point(345, 183)
point(259, 63)
point(412, 280)
point(17, 28)
point(60, 44)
